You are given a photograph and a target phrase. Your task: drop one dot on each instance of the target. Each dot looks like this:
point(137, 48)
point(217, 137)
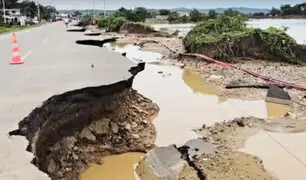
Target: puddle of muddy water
point(276, 110)
point(186, 103)
point(116, 167)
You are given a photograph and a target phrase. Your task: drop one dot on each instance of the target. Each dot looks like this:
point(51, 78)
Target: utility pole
point(94, 8)
point(104, 8)
point(38, 11)
point(4, 14)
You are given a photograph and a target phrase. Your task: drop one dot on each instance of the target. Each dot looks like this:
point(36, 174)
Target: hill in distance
point(244, 10)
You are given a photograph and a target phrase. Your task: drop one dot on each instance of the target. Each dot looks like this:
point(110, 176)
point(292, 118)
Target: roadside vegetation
point(227, 37)
point(196, 16)
point(285, 10)
point(132, 19)
point(27, 8)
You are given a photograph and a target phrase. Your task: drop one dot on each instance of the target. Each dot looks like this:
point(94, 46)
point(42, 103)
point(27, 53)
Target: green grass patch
point(8, 29)
point(227, 37)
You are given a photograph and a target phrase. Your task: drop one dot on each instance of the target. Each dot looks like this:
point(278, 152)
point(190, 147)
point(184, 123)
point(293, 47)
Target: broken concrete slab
point(278, 95)
point(165, 162)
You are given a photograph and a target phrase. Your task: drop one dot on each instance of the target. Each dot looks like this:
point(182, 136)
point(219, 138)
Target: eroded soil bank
point(76, 128)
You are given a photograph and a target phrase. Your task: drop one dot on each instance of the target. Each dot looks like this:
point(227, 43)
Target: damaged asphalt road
point(79, 127)
point(47, 71)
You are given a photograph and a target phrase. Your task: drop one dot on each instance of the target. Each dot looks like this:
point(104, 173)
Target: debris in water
point(278, 95)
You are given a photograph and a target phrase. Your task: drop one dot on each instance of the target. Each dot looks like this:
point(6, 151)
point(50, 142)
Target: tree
point(115, 23)
point(103, 22)
point(29, 8)
point(195, 15)
point(173, 16)
point(184, 19)
point(274, 11)
point(77, 13)
point(141, 14)
point(212, 14)
point(286, 9)
point(231, 12)
point(164, 12)
point(9, 3)
point(258, 14)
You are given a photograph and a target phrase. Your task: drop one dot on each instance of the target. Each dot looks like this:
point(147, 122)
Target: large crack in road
point(79, 127)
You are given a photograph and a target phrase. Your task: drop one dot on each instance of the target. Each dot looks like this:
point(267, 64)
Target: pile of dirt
point(136, 28)
point(233, 165)
point(227, 163)
point(76, 128)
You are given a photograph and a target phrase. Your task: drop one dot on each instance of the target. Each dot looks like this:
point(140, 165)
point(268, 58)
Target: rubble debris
point(79, 127)
point(278, 95)
point(168, 162)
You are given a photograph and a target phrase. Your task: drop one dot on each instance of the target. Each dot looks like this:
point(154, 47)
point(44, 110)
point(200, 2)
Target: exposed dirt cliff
point(79, 127)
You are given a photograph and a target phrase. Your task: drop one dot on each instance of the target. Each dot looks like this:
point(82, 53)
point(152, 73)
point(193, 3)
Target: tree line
point(285, 10)
point(196, 16)
point(30, 8)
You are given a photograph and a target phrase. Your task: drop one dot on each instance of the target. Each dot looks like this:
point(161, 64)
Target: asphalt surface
point(53, 64)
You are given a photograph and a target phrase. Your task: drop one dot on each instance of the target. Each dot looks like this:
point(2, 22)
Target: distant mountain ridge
point(244, 10)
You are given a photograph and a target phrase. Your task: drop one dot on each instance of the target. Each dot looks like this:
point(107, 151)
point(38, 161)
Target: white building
point(12, 16)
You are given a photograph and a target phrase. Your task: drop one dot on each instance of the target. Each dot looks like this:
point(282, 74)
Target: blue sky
point(204, 4)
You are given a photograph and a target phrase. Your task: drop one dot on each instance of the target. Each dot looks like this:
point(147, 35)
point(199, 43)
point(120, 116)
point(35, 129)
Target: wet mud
point(111, 164)
point(71, 130)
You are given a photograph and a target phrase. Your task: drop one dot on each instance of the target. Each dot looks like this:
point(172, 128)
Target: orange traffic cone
point(16, 59)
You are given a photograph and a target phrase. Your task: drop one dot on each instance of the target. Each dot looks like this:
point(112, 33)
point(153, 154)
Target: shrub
point(132, 27)
point(226, 37)
point(115, 23)
point(103, 22)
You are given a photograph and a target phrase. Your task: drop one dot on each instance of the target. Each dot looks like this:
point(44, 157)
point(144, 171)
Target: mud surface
point(109, 169)
point(76, 128)
point(228, 163)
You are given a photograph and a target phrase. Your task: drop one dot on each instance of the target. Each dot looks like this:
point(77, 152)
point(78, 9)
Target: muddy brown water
point(116, 167)
point(186, 103)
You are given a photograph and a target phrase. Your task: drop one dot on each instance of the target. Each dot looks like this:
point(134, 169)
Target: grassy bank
point(8, 29)
point(225, 38)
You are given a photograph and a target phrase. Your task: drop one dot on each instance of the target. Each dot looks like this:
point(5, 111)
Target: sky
point(199, 4)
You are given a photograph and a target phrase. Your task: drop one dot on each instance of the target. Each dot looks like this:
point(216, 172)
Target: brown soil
point(227, 163)
point(233, 165)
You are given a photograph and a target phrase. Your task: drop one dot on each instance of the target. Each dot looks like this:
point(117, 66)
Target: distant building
point(12, 16)
point(183, 13)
